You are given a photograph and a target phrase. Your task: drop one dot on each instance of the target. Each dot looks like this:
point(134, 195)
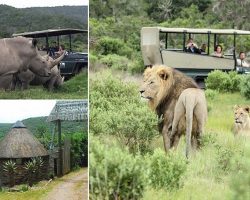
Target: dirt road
point(72, 187)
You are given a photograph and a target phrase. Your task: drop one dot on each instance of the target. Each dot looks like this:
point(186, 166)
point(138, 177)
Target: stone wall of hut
point(21, 174)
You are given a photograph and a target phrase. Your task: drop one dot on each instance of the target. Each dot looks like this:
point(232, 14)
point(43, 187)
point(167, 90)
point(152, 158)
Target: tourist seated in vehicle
point(60, 51)
point(241, 61)
point(218, 51)
point(203, 48)
point(191, 47)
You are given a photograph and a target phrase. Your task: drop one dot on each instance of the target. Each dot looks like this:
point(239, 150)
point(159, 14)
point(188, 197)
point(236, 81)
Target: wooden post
point(60, 173)
point(70, 47)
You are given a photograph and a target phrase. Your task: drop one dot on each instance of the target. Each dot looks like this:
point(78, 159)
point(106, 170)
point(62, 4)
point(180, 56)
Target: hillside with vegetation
point(127, 158)
point(17, 20)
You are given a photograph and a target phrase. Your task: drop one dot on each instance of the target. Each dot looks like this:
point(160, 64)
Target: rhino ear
point(34, 42)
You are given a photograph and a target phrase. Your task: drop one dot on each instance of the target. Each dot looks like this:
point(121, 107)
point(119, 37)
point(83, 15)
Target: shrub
point(92, 61)
point(137, 65)
point(223, 82)
point(166, 170)
point(134, 124)
point(115, 61)
point(10, 169)
point(211, 94)
point(114, 173)
point(245, 86)
point(107, 45)
point(79, 150)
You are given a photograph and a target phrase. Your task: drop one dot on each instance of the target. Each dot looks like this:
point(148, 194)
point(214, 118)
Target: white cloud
point(44, 3)
point(13, 110)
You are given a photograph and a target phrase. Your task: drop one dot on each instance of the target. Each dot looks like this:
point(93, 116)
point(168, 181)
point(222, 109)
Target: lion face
point(241, 114)
point(156, 84)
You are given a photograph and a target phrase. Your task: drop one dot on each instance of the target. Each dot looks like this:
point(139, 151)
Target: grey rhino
point(54, 80)
point(20, 54)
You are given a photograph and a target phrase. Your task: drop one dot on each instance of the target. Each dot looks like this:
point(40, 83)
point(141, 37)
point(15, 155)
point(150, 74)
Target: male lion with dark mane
point(162, 87)
point(242, 120)
point(190, 105)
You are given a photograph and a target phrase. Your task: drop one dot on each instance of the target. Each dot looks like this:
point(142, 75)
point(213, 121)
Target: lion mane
point(162, 87)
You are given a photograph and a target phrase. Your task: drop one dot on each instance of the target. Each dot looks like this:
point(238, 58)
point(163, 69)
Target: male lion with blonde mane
point(190, 105)
point(162, 87)
point(241, 120)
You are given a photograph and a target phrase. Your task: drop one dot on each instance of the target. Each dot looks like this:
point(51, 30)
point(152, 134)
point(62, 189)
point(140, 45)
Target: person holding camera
point(191, 47)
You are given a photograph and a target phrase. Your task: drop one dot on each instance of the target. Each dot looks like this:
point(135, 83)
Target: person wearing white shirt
point(241, 60)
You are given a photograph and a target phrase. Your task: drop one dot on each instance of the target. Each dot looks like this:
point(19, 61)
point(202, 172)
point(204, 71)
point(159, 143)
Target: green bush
point(114, 173)
point(115, 61)
point(223, 82)
point(245, 86)
point(166, 169)
point(211, 94)
point(137, 65)
point(116, 109)
point(79, 150)
point(108, 45)
point(92, 60)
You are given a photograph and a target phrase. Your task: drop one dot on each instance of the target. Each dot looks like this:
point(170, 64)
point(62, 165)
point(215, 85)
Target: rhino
point(54, 80)
point(20, 54)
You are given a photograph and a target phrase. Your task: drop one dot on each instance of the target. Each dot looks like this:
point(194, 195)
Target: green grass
point(75, 88)
point(39, 191)
point(205, 178)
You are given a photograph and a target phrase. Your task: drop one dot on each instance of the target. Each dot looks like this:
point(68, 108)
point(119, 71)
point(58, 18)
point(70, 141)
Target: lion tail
point(190, 104)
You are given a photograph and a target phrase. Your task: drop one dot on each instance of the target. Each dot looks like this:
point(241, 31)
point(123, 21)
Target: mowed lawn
point(75, 88)
point(41, 190)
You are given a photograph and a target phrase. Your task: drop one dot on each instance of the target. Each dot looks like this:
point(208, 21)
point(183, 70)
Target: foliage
point(211, 94)
point(79, 150)
point(114, 173)
point(223, 82)
point(10, 169)
point(245, 86)
point(115, 62)
point(134, 125)
point(166, 170)
point(107, 45)
point(31, 170)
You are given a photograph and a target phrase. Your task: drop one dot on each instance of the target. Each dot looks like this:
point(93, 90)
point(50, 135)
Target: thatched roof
point(19, 142)
point(76, 110)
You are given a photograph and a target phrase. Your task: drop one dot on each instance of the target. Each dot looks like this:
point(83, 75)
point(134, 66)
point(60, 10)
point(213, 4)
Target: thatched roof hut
point(20, 146)
point(19, 142)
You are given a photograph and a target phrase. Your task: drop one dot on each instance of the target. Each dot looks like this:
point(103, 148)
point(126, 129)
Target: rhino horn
point(63, 79)
point(56, 61)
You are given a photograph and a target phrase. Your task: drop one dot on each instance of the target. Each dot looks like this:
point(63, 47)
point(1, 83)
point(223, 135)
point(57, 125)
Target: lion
point(241, 120)
point(162, 86)
point(190, 105)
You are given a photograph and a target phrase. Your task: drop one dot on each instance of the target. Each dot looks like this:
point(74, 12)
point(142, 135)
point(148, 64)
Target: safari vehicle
point(73, 62)
point(167, 46)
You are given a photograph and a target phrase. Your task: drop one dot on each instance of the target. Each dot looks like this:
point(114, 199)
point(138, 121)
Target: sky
point(43, 3)
point(14, 110)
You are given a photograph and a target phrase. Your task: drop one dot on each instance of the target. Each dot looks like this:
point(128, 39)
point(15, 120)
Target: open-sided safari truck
point(167, 46)
point(73, 62)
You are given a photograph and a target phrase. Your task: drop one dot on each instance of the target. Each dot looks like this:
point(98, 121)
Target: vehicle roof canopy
point(202, 31)
point(50, 32)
